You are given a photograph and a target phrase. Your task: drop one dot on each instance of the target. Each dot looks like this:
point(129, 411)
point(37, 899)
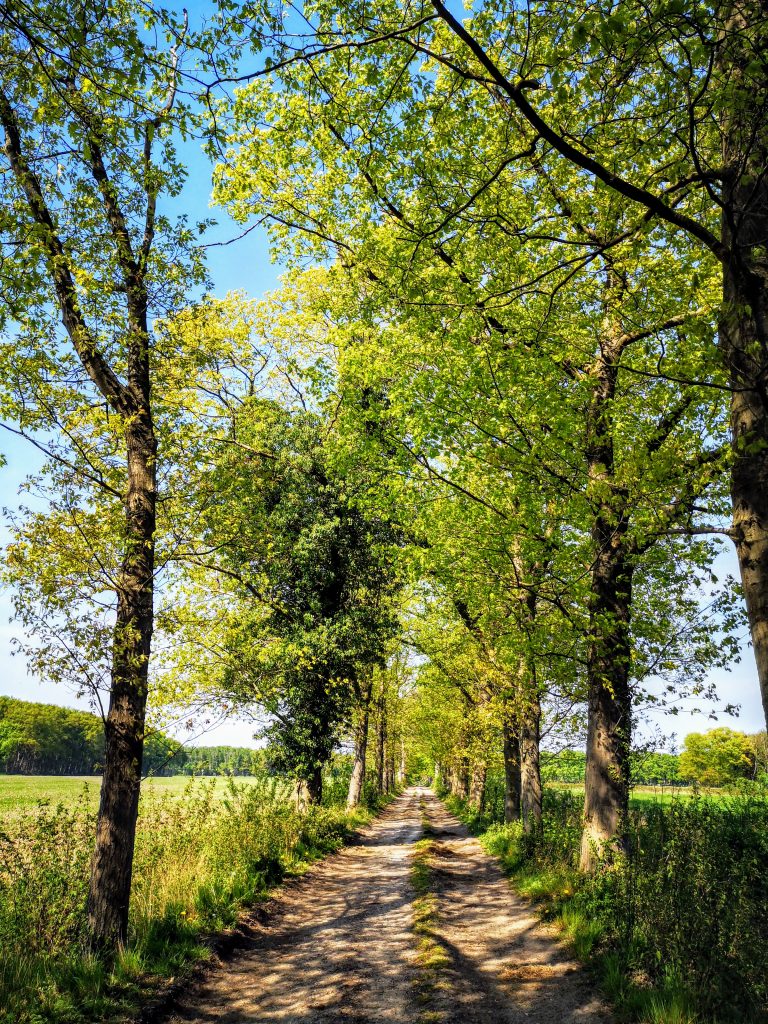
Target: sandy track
point(504, 965)
point(338, 944)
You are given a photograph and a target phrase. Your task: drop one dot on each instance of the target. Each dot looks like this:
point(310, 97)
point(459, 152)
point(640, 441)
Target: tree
point(309, 605)
point(694, 83)
point(421, 243)
point(589, 87)
point(716, 758)
point(87, 107)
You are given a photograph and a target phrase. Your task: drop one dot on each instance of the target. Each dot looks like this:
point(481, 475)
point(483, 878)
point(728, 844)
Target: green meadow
point(22, 791)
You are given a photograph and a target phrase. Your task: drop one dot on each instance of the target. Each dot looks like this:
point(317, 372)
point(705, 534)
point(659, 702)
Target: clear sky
point(245, 264)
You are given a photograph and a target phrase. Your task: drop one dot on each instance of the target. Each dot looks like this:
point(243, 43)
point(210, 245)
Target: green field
point(640, 795)
point(19, 791)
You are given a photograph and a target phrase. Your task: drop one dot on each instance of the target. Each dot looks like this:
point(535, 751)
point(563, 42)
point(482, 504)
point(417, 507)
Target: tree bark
point(314, 786)
point(530, 766)
point(606, 787)
point(512, 773)
point(478, 776)
point(381, 741)
point(357, 779)
point(111, 867)
point(390, 773)
point(460, 780)
point(606, 797)
point(743, 325)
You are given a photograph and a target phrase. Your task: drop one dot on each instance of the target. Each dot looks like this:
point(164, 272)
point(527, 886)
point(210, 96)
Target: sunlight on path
point(503, 965)
point(339, 945)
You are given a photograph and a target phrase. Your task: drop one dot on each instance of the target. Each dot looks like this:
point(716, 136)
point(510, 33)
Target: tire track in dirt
point(501, 964)
point(338, 945)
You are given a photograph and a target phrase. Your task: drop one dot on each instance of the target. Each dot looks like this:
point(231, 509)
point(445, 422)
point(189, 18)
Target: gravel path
point(338, 944)
point(503, 965)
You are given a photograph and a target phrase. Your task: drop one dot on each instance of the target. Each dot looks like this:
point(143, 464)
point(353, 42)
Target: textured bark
point(391, 773)
point(530, 766)
point(744, 320)
point(110, 880)
point(512, 775)
point(606, 799)
point(314, 786)
point(381, 742)
point(606, 796)
point(478, 776)
point(357, 779)
point(460, 780)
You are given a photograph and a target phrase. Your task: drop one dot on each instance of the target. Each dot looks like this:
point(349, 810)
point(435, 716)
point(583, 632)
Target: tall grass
point(679, 928)
point(199, 859)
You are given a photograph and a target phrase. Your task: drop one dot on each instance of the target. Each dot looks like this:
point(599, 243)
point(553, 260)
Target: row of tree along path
point(339, 944)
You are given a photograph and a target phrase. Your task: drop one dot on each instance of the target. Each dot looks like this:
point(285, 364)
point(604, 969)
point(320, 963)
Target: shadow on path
point(503, 965)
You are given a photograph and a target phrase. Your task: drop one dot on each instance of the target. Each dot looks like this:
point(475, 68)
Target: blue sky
point(245, 264)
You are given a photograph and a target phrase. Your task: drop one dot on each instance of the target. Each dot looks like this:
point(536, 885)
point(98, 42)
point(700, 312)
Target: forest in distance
point(444, 510)
point(47, 739)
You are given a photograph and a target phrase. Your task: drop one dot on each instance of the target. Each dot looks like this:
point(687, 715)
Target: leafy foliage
point(199, 859)
point(717, 757)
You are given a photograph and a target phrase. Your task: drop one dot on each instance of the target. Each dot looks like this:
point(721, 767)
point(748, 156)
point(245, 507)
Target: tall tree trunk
point(401, 772)
point(314, 785)
point(390, 767)
point(381, 741)
point(744, 319)
point(609, 722)
point(112, 864)
point(478, 776)
point(530, 766)
point(461, 779)
point(357, 779)
point(512, 774)
point(606, 797)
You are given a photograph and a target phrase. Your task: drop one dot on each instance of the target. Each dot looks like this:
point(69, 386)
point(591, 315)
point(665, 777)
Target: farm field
point(640, 795)
point(20, 791)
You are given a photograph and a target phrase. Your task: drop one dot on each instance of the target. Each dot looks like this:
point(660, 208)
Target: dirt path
point(503, 965)
point(339, 945)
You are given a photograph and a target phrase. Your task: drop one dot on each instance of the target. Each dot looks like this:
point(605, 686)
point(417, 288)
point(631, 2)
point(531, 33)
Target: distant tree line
point(715, 758)
point(43, 739)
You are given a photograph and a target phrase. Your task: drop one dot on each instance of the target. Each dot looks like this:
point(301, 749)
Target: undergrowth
point(430, 955)
point(678, 931)
point(199, 860)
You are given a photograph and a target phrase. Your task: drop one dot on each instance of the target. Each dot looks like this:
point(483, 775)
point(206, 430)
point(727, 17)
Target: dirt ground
point(338, 944)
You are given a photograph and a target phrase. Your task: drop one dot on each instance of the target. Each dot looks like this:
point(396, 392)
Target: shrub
point(684, 919)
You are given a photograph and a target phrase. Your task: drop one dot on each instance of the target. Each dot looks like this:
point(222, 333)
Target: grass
point(431, 957)
point(22, 791)
point(677, 934)
point(641, 795)
point(205, 849)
